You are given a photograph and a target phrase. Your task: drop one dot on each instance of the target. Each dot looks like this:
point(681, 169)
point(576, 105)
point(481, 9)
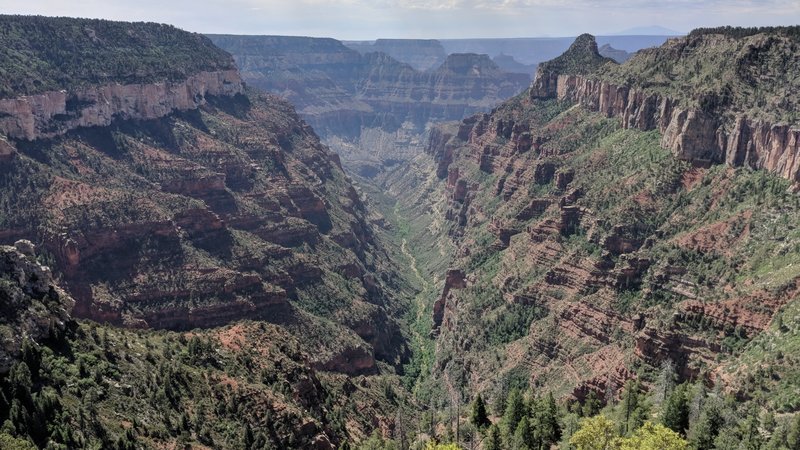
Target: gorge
point(292, 242)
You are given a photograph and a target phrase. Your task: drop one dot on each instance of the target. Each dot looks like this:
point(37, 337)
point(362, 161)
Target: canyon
point(392, 228)
point(550, 202)
point(370, 108)
point(195, 202)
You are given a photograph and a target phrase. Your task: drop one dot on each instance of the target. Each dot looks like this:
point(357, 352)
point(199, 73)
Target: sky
point(371, 19)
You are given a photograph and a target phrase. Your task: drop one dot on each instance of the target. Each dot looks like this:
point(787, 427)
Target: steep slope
point(586, 253)
point(189, 202)
point(80, 385)
point(371, 108)
point(718, 95)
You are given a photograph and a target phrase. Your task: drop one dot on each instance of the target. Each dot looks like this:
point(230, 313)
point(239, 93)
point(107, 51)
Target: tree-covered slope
point(585, 254)
point(41, 54)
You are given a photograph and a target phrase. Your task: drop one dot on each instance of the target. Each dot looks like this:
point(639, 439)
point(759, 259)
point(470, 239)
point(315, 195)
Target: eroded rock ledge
point(54, 113)
point(690, 134)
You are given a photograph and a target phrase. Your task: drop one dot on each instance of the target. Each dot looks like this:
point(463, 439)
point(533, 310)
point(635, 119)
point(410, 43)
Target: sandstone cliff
point(715, 130)
point(587, 245)
point(186, 201)
point(54, 113)
point(371, 108)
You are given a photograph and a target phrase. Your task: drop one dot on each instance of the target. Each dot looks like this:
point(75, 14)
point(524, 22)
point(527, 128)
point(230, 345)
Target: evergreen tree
point(793, 437)
point(515, 411)
point(551, 430)
point(493, 440)
point(479, 417)
point(634, 410)
point(248, 439)
point(523, 436)
point(707, 428)
point(665, 382)
point(676, 410)
point(751, 436)
point(591, 405)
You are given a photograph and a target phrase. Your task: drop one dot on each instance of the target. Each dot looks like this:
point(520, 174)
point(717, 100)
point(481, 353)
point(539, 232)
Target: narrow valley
point(279, 242)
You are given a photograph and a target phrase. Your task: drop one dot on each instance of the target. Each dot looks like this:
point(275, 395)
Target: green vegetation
point(105, 387)
point(722, 72)
point(582, 57)
point(52, 53)
point(742, 32)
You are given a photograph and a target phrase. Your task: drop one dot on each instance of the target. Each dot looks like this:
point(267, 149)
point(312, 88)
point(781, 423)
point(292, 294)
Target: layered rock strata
point(51, 114)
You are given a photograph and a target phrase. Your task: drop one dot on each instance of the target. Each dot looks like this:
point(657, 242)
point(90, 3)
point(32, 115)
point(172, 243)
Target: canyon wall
point(54, 113)
point(185, 200)
point(584, 250)
point(372, 109)
point(690, 134)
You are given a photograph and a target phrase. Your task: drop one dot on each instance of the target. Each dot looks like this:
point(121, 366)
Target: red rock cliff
point(54, 113)
point(690, 134)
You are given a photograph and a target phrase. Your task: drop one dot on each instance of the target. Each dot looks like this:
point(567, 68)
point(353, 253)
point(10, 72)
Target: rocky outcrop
point(455, 279)
point(372, 109)
point(691, 134)
point(7, 151)
point(51, 114)
point(32, 306)
point(351, 360)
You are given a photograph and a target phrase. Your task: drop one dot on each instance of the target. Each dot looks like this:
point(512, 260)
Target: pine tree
point(479, 417)
point(493, 440)
point(523, 436)
point(707, 428)
point(665, 382)
point(591, 405)
point(793, 437)
point(515, 411)
point(676, 410)
point(550, 430)
point(751, 436)
point(632, 414)
point(248, 437)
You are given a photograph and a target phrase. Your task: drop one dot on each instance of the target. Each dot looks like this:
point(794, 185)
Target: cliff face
point(371, 108)
point(587, 245)
point(54, 113)
point(717, 130)
point(183, 203)
point(690, 134)
point(32, 305)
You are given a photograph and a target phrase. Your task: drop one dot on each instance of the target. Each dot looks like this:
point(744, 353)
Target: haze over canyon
point(266, 241)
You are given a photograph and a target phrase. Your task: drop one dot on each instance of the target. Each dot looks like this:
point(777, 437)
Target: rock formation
point(694, 134)
point(372, 109)
point(32, 305)
point(549, 201)
point(51, 114)
point(187, 201)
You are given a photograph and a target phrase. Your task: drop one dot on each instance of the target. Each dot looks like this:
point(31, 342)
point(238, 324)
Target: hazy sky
point(364, 19)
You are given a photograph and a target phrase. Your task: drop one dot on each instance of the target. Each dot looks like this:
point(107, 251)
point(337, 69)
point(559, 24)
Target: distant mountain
point(421, 54)
point(372, 108)
point(509, 64)
point(652, 30)
point(617, 55)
